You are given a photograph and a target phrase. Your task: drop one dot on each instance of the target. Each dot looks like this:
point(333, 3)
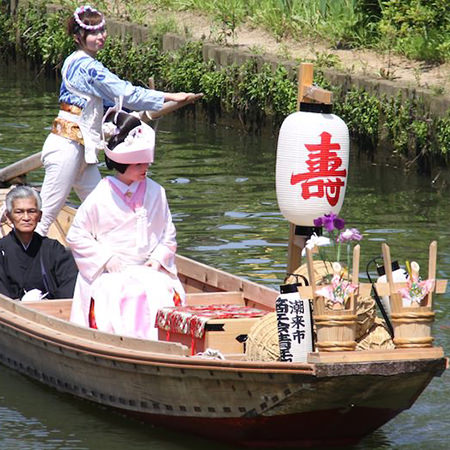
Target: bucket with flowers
point(411, 301)
point(334, 294)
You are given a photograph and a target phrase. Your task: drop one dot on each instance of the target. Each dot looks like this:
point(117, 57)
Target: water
point(220, 185)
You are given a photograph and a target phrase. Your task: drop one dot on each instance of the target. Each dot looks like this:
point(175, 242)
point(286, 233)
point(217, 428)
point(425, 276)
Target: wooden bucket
point(411, 324)
point(412, 327)
point(335, 331)
point(335, 328)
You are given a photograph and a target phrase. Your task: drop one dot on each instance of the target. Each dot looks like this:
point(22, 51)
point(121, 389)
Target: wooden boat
point(332, 399)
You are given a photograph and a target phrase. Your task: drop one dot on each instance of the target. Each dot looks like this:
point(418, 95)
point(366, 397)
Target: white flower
point(315, 241)
point(415, 267)
point(337, 268)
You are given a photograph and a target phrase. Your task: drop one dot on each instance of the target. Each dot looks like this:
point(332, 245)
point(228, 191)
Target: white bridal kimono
point(108, 224)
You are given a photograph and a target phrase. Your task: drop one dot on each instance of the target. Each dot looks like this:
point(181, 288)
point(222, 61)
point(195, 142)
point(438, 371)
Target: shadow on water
point(35, 416)
point(40, 417)
point(220, 185)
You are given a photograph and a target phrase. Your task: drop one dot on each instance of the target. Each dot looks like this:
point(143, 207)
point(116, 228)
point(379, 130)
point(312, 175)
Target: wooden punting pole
point(20, 168)
point(307, 93)
point(16, 171)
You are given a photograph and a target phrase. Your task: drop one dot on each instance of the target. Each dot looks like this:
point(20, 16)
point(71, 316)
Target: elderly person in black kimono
point(31, 266)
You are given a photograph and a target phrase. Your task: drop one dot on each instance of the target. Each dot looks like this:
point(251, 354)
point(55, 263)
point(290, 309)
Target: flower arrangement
point(416, 289)
point(339, 288)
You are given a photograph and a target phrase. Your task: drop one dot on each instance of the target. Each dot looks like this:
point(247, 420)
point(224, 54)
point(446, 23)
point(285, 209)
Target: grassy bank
point(417, 29)
point(256, 95)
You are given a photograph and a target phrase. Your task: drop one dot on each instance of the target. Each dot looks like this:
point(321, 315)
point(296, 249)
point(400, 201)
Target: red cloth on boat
point(191, 320)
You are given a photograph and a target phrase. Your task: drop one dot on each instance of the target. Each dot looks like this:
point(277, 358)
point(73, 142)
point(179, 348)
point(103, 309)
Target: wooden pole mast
point(307, 93)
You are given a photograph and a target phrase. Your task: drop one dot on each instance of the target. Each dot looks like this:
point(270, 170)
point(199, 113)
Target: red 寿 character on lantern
point(323, 164)
point(312, 166)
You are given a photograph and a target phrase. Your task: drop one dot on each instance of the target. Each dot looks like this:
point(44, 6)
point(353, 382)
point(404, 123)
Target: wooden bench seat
point(59, 308)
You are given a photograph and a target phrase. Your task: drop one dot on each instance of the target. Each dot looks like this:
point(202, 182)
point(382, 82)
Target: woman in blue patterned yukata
point(69, 154)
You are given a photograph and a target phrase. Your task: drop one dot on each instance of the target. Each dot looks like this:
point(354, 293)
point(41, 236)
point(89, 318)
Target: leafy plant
point(361, 113)
point(443, 136)
point(228, 14)
point(416, 28)
point(324, 59)
point(54, 42)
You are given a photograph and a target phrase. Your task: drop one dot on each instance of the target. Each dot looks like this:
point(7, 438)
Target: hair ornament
point(109, 130)
point(135, 133)
point(83, 9)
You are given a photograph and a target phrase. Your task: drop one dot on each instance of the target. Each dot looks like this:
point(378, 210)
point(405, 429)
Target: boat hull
point(246, 403)
point(292, 431)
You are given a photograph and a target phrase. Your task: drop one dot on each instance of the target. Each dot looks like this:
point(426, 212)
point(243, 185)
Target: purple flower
point(339, 223)
point(350, 234)
point(330, 221)
point(318, 222)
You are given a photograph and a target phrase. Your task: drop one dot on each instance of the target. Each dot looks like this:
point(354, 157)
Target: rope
point(210, 353)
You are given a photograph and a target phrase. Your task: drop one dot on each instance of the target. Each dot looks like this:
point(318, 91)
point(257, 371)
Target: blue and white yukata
point(70, 157)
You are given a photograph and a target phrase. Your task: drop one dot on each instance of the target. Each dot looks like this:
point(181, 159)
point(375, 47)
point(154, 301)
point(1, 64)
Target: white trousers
point(65, 168)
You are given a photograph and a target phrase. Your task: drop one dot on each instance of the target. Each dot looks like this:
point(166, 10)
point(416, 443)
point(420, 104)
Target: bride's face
point(134, 172)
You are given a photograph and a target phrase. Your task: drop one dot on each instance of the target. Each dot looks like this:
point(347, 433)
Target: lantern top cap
point(323, 108)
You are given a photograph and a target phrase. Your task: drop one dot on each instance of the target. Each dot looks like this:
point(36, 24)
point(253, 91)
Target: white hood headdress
point(138, 147)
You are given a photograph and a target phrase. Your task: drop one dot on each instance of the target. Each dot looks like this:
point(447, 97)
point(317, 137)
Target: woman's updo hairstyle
point(124, 123)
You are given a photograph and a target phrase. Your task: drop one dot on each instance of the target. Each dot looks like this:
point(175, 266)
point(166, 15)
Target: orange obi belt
point(66, 128)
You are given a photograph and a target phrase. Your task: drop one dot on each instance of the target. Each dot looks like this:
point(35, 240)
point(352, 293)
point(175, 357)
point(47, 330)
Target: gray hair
point(21, 192)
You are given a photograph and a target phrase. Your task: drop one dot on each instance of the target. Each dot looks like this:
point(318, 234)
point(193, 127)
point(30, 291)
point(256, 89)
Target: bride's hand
point(114, 264)
point(153, 264)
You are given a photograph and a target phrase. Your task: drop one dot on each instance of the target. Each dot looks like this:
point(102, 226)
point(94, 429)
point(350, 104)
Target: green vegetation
point(417, 29)
point(43, 37)
point(257, 94)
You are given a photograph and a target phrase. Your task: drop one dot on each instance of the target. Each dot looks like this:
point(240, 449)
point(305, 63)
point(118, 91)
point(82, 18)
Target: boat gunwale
point(93, 348)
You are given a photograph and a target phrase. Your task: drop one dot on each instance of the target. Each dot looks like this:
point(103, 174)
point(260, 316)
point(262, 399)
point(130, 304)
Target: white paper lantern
point(312, 166)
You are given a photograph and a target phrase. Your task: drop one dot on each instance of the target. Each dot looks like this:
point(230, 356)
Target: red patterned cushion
point(191, 320)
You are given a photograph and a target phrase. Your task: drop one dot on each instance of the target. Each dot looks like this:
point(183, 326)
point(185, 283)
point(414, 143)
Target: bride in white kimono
point(123, 239)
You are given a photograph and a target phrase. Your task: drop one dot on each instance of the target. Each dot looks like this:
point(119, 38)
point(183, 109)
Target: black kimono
point(45, 265)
